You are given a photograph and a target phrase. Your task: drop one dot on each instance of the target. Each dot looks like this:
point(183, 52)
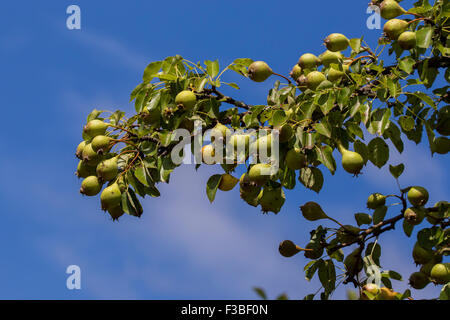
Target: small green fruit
point(79, 152)
point(370, 288)
point(90, 186)
point(312, 211)
point(95, 128)
point(335, 75)
point(271, 199)
point(259, 71)
point(337, 42)
point(107, 169)
point(220, 131)
point(376, 200)
point(84, 171)
point(418, 280)
point(418, 196)
point(387, 294)
point(394, 28)
point(314, 79)
point(414, 215)
point(264, 145)
point(187, 99)
point(259, 173)
point(208, 154)
point(90, 156)
point(407, 40)
point(316, 253)
point(296, 72)
point(390, 9)
point(295, 159)
point(329, 57)
point(288, 249)
point(101, 144)
point(111, 197)
point(285, 132)
point(421, 255)
point(440, 273)
point(352, 162)
point(227, 182)
point(116, 212)
point(247, 185)
point(308, 61)
point(441, 145)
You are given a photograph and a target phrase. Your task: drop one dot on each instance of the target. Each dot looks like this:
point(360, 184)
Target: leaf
point(424, 97)
point(323, 129)
point(424, 37)
point(212, 67)
point(151, 70)
point(407, 123)
point(378, 152)
point(130, 203)
point(325, 155)
point(362, 149)
point(311, 270)
point(395, 275)
point(243, 61)
point(445, 292)
point(212, 185)
point(311, 178)
point(327, 275)
point(407, 64)
point(283, 296)
point(260, 292)
point(363, 218)
point(397, 170)
point(94, 114)
point(407, 228)
point(379, 214)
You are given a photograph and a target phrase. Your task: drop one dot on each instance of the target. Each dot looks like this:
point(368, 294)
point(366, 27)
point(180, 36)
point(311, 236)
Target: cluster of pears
point(97, 166)
point(397, 29)
point(371, 291)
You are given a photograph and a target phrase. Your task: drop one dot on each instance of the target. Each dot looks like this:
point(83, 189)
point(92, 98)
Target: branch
point(227, 99)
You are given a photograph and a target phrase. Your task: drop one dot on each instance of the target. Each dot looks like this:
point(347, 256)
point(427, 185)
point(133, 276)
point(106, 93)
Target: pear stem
point(280, 75)
point(334, 220)
point(302, 249)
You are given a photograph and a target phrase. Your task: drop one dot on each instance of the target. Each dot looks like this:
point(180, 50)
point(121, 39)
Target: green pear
point(111, 197)
point(418, 196)
point(314, 79)
point(407, 40)
point(259, 71)
point(390, 9)
point(187, 99)
point(108, 169)
point(394, 28)
point(95, 128)
point(336, 42)
point(312, 211)
point(376, 200)
point(308, 61)
point(90, 186)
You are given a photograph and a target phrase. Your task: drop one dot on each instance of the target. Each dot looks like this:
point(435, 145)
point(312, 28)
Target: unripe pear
point(441, 145)
point(79, 152)
point(422, 255)
point(418, 280)
point(314, 79)
point(407, 40)
point(394, 28)
point(259, 71)
point(414, 215)
point(390, 9)
point(108, 169)
point(220, 131)
point(271, 199)
point(285, 132)
point(227, 182)
point(264, 145)
point(353, 262)
point(301, 82)
point(84, 171)
point(151, 117)
point(387, 294)
point(440, 273)
point(95, 128)
point(90, 156)
point(352, 162)
point(376, 200)
point(315, 252)
point(111, 197)
point(295, 159)
point(370, 288)
point(116, 212)
point(246, 184)
point(418, 196)
point(335, 75)
point(308, 61)
point(312, 211)
point(329, 57)
point(296, 72)
point(208, 154)
point(187, 99)
point(90, 186)
point(101, 144)
point(260, 173)
point(347, 233)
point(336, 42)
point(288, 249)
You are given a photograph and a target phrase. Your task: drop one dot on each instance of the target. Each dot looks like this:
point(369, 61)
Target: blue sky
point(182, 247)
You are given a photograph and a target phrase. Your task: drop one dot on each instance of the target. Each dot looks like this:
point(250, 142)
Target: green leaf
point(325, 155)
point(407, 64)
point(323, 129)
point(355, 44)
point(283, 296)
point(407, 123)
point(395, 275)
point(278, 118)
point(311, 178)
point(363, 218)
point(327, 275)
point(151, 70)
point(378, 152)
point(94, 114)
point(212, 67)
point(311, 269)
point(424, 97)
point(407, 228)
point(243, 61)
point(424, 37)
point(397, 170)
point(212, 185)
point(362, 149)
point(260, 292)
point(130, 203)
point(445, 292)
point(379, 214)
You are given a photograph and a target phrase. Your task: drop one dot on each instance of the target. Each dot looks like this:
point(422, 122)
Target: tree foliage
point(332, 102)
